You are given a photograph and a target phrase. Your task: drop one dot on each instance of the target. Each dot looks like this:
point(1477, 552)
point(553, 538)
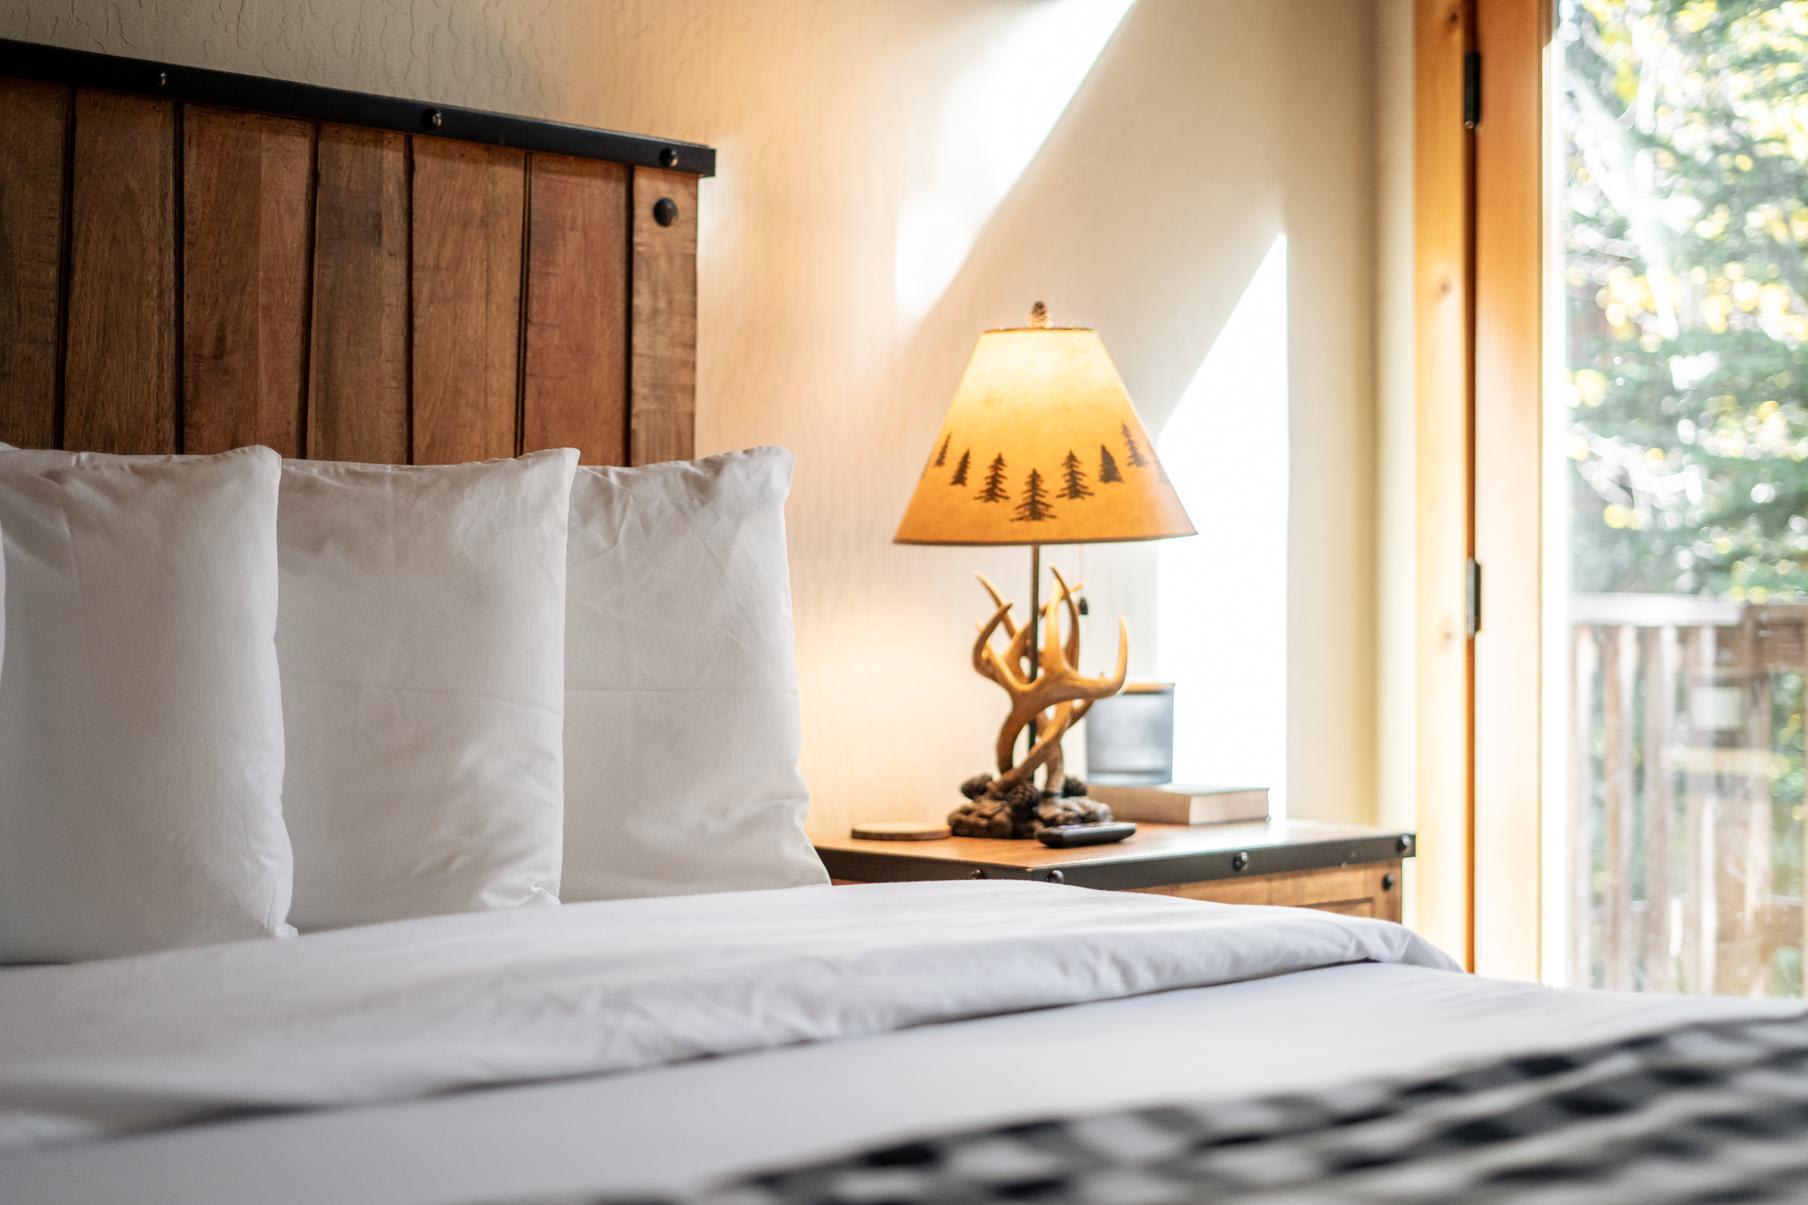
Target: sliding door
point(1677, 488)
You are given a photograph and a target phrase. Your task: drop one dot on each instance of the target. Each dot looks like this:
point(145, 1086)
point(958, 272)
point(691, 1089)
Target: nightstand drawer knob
point(1387, 881)
point(1055, 876)
point(1239, 862)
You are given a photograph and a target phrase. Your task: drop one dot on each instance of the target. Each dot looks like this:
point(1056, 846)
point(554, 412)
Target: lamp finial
point(1039, 316)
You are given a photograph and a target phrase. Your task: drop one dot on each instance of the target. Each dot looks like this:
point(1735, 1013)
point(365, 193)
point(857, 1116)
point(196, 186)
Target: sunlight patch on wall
point(1221, 597)
point(991, 122)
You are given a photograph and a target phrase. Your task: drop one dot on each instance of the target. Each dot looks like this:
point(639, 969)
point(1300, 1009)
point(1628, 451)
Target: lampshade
point(1041, 445)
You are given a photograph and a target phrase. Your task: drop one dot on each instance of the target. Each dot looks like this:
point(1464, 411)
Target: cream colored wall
point(845, 129)
point(1396, 693)
point(1396, 510)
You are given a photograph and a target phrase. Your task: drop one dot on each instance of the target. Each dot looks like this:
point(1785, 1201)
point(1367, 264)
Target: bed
point(206, 261)
point(386, 1062)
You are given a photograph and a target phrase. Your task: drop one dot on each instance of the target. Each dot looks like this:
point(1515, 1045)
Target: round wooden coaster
point(900, 830)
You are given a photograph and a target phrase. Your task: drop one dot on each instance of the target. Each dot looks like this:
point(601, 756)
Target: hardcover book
point(1182, 803)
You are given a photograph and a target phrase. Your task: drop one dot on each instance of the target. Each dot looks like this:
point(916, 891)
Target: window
point(1677, 473)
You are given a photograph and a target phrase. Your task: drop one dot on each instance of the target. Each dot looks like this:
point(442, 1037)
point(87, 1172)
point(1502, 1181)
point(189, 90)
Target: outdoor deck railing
point(1685, 810)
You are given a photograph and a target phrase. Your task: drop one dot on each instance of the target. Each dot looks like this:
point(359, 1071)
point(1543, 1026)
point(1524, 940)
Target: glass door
point(1676, 495)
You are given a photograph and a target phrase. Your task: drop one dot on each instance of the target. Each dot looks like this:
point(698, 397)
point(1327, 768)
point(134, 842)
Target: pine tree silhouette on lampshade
point(993, 490)
point(1074, 484)
point(1108, 474)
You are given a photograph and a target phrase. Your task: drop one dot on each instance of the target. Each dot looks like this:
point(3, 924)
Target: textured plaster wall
point(846, 128)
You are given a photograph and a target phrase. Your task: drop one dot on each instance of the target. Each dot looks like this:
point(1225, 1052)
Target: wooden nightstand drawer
point(1369, 890)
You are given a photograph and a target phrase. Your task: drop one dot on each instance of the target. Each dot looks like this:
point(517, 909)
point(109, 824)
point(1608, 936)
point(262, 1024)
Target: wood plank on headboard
point(32, 149)
point(358, 359)
point(662, 397)
point(119, 382)
point(575, 375)
point(246, 181)
point(468, 210)
point(192, 260)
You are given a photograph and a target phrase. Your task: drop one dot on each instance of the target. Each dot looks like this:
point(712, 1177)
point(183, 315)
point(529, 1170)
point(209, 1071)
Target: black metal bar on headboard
point(285, 98)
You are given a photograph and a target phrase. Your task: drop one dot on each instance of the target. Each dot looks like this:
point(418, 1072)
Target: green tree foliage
point(1686, 295)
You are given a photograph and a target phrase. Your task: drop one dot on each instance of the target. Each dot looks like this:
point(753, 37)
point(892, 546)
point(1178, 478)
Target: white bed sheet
point(408, 1009)
point(671, 1129)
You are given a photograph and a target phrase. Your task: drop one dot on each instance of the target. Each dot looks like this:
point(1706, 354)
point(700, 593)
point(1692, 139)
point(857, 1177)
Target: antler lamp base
point(1023, 810)
point(1048, 696)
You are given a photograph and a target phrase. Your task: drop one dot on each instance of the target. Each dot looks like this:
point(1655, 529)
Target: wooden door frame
point(1478, 197)
point(1443, 385)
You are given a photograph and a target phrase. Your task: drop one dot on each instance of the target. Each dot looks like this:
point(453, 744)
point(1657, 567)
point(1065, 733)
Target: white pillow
point(681, 722)
point(141, 739)
point(422, 648)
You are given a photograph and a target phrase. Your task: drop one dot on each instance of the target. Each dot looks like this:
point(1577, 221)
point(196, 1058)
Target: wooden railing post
point(1619, 665)
point(1585, 661)
point(1660, 803)
point(1742, 828)
point(1706, 795)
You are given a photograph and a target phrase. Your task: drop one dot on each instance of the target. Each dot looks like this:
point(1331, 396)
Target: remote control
point(1085, 834)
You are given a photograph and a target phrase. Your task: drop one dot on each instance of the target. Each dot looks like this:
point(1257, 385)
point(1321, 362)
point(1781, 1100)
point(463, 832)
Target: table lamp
point(1041, 445)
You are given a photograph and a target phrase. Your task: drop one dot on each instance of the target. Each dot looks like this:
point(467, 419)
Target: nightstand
point(1297, 863)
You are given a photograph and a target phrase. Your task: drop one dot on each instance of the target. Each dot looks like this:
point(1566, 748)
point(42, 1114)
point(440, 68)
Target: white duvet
point(413, 1008)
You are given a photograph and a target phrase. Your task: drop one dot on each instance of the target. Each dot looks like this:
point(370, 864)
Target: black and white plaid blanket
point(1710, 1112)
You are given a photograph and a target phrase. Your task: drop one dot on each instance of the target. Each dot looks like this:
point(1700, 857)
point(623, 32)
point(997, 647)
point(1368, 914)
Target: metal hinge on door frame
point(1472, 90)
point(1472, 597)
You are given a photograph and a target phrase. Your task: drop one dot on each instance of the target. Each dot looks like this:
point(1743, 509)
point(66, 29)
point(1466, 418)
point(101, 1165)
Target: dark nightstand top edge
point(1130, 871)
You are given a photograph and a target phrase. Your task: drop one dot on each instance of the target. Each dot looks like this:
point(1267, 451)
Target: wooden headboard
point(193, 260)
